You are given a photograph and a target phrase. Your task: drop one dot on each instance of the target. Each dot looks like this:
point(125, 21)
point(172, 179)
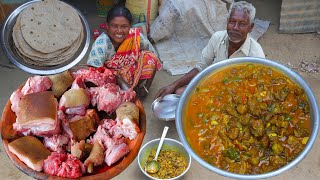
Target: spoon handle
point(164, 133)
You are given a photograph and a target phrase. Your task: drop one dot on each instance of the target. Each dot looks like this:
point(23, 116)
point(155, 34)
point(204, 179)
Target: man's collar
point(245, 47)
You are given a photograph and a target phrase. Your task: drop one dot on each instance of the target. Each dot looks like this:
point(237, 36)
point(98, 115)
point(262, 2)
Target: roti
point(25, 48)
point(33, 56)
point(50, 25)
point(53, 61)
point(43, 59)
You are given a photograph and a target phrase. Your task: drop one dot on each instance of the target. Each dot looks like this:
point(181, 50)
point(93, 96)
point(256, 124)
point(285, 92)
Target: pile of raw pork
point(63, 112)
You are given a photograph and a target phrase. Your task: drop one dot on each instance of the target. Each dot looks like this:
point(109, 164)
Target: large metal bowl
point(314, 114)
point(7, 45)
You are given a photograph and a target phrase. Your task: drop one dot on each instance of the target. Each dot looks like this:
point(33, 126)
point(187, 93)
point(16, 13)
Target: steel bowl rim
point(77, 59)
point(156, 101)
point(293, 76)
point(165, 139)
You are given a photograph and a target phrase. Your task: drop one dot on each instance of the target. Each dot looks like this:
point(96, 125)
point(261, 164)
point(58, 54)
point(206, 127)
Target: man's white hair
point(243, 6)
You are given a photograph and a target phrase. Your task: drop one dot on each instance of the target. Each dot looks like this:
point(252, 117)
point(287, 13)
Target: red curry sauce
point(248, 119)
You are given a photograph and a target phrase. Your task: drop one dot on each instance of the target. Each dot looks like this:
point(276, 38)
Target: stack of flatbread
point(47, 33)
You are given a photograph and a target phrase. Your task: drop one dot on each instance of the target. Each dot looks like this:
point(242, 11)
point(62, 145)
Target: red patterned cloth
point(130, 63)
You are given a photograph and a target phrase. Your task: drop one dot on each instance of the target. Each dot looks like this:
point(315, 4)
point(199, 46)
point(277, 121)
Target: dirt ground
point(293, 50)
point(289, 49)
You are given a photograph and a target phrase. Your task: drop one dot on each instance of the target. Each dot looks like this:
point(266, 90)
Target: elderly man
point(230, 43)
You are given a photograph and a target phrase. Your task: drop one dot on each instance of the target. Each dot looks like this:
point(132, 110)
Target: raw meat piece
point(77, 110)
point(37, 114)
point(15, 100)
point(36, 84)
point(112, 144)
point(99, 76)
point(128, 110)
point(118, 152)
point(78, 83)
point(56, 143)
point(60, 83)
point(83, 127)
point(102, 133)
point(33, 85)
point(76, 100)
point(63, 165)
point(96, 156)
point(77, 149)
point(61, 115)
point(108, 97)
point(74, 97)
point(126, 128)
point(30, 150)
point(65, 123)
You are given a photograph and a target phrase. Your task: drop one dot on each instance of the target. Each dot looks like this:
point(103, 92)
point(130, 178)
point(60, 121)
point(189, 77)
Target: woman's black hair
point(119, 11)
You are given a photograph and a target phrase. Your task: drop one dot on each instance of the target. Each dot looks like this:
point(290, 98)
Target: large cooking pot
point(314, 114)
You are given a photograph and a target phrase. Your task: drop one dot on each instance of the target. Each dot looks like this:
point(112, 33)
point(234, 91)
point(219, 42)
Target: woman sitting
point(125, 51)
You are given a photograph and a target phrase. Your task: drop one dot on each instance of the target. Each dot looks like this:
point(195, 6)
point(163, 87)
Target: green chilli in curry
point(172, 164)
point(248, 119)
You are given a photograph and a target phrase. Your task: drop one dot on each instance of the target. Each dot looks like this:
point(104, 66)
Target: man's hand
point(183, 81)
point(165, 90)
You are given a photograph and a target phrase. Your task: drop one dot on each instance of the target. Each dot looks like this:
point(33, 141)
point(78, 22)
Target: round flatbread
point(37, 58)
point(50, 25)
point(53, 61)
point(44, 59)
point(26, 49)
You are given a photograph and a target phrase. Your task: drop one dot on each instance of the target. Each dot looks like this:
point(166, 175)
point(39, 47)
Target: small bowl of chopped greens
point(173, 158)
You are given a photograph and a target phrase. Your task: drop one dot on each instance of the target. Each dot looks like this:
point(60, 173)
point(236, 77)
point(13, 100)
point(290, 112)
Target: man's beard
point(236, 39)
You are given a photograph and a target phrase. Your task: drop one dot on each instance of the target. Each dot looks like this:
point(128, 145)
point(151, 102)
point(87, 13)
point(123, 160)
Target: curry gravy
point(247, 119)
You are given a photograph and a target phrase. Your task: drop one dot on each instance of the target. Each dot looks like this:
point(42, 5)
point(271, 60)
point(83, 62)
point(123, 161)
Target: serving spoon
point(153, 166)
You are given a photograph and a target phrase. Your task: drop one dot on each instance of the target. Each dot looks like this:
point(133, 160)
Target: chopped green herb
point(232, 154)
point(287, 117)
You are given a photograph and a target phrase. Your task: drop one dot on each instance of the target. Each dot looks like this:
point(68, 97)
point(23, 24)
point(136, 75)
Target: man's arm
point(183, 81)
point(207, 58)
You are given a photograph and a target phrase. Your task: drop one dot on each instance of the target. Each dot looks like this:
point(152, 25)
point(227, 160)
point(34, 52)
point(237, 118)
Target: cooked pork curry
point(248, 119)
